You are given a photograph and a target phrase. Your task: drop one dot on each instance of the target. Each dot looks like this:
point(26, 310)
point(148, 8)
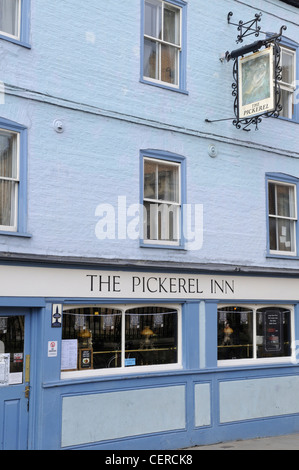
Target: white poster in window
point(69, 354)
point(15, 378)
point(256, 88)
point(4, 369)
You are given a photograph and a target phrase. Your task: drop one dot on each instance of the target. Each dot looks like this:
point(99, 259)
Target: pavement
point(288, 442)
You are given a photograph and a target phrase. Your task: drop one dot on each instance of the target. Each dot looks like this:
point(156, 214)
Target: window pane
point(169, 64)
point(282, 234)
point(273, 330)
point(9, 12)
point(12, 334)
point(7, 203)
point(151, 59)
point(282, 200)
point(153, 18)
point(285, 201)
point(151, 336)
point(161, 222)
point(168, 220)
point(150, 183)
point(171, 25)
point(287, 63)
point(97, 331)
point(286, 235)
point(271, 196)
point(150, 221)
point(287, 104)
point(168, 183)
point(8, 155)
point(273, 233)
point(235, 333)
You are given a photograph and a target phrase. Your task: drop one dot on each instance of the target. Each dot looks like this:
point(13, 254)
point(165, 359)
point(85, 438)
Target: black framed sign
point(85, 358)
point(273, 332)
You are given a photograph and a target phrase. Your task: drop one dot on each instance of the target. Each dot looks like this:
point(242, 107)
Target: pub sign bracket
point(256, 73)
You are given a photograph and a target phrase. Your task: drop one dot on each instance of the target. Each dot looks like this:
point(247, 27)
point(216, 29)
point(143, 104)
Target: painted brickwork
point(84, 69)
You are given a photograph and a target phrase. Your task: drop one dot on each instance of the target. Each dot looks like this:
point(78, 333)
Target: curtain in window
point(172, 25)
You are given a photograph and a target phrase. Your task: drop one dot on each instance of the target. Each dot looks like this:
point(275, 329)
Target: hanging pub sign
point(257, 73)
point(256, 90)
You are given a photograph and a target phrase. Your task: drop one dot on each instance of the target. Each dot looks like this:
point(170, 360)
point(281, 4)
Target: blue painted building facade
point(148, 258)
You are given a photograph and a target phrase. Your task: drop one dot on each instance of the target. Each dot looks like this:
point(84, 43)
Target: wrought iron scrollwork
point(246, 29)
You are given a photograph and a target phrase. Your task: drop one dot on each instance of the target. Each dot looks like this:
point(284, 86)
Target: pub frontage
point(112, 356)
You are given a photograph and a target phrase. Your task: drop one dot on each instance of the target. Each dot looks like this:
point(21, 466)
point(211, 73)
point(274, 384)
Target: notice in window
point(4, 369)
point(69, 354)
point(273, 331)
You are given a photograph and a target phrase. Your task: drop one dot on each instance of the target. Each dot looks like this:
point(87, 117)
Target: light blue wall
point(85, 72)
point(83, 68)
point(67, 181)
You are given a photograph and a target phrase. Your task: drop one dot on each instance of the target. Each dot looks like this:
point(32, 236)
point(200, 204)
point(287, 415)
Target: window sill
point(15, 234)
point(19, 42)
point(256, 362)
point(282, 256)
point(161, 85)
point(166, 247)
point(121, 372)
point(288, 119)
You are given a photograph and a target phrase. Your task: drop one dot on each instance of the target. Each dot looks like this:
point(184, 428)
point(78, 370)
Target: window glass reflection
point(235, 333)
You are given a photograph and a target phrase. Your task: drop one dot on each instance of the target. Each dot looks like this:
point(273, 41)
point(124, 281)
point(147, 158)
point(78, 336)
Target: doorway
point(14, 378)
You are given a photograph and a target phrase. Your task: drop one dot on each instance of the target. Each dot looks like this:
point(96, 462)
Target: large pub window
point(113, 337)
point(254, 332)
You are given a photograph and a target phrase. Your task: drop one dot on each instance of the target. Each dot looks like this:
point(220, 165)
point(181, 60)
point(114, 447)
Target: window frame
point(22, 39)
point(288, 44)
point(263, 360)
point(282, 179)
point(181, 67)
point(172, 159)
point(15, 180)
point(125, 370)
point(20, 225)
